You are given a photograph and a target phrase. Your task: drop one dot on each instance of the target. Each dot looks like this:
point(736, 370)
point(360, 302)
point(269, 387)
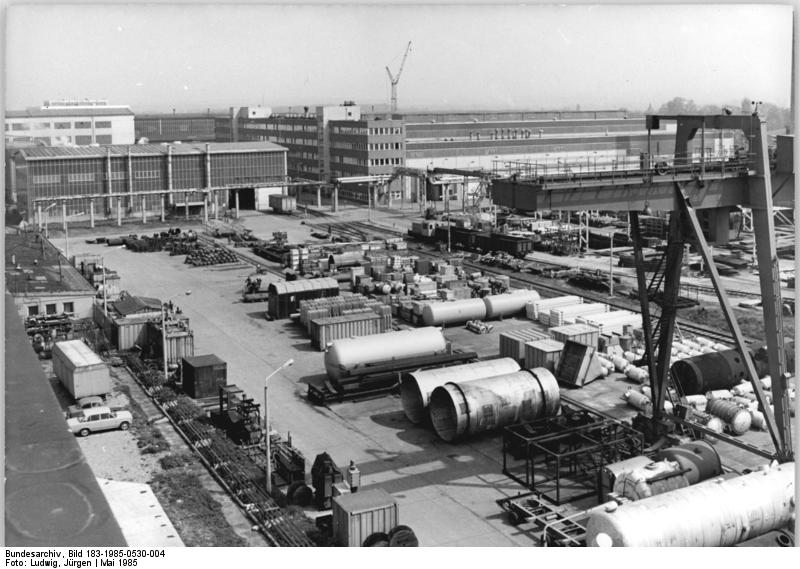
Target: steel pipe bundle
point(715, 513)
point(467, 408)
point(417, 386)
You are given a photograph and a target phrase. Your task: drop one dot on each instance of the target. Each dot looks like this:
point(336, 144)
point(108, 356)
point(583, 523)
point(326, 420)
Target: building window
point(50, 309)
point(83, 124)
point(117, 175)
point(146, 174)
point(48, 179)
point(20, 126)
point(103, 139)
point(62, 125)
point(102, 124)
point(83, 177)
point(69, 307)
point(33, 310)
point(83, 139)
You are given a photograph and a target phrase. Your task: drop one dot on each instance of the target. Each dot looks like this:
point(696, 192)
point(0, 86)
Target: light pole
point(66, 234)
point(267, 449)
point(46, 218)
point(611, 266)
point(163, 325)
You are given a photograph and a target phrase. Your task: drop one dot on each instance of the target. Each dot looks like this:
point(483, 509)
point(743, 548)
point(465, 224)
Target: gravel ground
point(115, 455)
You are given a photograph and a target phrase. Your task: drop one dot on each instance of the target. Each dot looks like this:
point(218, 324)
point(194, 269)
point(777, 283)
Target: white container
point(81, 370)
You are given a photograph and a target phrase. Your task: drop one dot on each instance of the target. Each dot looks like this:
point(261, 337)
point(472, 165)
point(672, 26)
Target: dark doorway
point(247, 198)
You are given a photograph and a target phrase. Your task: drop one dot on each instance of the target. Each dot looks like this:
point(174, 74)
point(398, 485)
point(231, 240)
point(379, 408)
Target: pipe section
point(467, 408)
point(715, 513)
point(417, 386)
point(709, 372)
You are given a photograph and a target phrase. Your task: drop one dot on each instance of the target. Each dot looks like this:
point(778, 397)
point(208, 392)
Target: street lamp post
point(611, 266)
point(66, 234)
point(267, 449)
point(163, 326)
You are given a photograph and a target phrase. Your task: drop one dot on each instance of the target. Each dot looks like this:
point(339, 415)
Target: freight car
point(474, 240)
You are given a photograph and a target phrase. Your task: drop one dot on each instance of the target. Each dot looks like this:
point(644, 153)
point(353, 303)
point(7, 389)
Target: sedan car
point(85, 403)
point(99, 419)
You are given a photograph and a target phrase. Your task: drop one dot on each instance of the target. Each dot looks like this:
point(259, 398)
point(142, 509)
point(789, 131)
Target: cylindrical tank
point(620, 363)
point(742, 388)
point(737, 419)
point(706, 372)
point(715, 513)
point(710, 421)
point(650, 480)
point(459, 409)
point(499, 305)
point(346, 354)
point(638, 374)
point(719, 394)
point(416, 387)
point(638, 401)
point(698, 459)
point(456, 312)
point(348, 259)
point(698, 402)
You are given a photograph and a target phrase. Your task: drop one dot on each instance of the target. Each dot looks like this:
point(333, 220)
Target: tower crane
point(394, 80)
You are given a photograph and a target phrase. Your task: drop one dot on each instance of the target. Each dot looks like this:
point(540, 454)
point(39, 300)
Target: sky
point(193, 57)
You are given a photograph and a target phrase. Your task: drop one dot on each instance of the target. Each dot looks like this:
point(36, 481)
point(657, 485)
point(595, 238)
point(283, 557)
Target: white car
point(99, 419)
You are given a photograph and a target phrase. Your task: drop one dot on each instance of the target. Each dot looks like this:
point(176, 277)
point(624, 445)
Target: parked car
point(99, 419)
point(85, 403)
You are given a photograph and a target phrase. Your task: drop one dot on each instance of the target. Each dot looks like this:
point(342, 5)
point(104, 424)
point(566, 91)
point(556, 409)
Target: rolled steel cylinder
point(416, 387)
point(737, 419)
point(456, 312)
point(459, 409)
point(715, 513)
point(349, 353)
point(500, 305)
point(707, 372)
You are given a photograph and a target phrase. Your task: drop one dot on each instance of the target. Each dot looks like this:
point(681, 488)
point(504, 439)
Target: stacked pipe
point(203, 255)
point(471, 407)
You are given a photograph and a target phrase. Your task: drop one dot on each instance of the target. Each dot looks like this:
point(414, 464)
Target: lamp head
point(289, 362)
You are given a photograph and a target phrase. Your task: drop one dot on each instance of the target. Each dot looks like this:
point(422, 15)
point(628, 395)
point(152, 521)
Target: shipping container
point(580, 333)
point(80, 370)
point(326, 330)
point(543, 353)
point(568, 314)
point(282, 204)
point(357, 516)
point(512, 342)
point(203, 375)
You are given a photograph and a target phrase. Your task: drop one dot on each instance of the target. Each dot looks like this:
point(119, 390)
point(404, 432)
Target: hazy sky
point(190, 57)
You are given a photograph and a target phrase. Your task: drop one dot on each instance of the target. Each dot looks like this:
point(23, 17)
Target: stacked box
point(543, 353)
point(512, 342)
point(568, 314)
point(580, 333)
point(536, 307)
point(613, 322)
point(326, 330)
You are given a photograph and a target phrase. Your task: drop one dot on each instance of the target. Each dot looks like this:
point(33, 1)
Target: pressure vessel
point(348, 354)
point(456, 312)
point(416, 387)
point(715, 513)
point(737, 419)
point(639, 401)
point(500, 305)
point(466, 408)
point(707, 372)
point(698, 460)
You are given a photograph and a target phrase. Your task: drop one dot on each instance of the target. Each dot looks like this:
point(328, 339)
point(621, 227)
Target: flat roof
point(69, 112)
point(52, 498)
point(59, 152)
point(42, 268)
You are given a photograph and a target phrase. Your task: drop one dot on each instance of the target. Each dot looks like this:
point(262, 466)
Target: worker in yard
point(353, 477)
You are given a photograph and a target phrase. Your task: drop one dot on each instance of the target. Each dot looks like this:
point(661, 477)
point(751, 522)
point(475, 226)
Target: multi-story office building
point(184, 127)
point(146, 175)
point(79, 123)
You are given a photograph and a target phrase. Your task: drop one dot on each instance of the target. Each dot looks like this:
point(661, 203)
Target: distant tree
point(678, 106)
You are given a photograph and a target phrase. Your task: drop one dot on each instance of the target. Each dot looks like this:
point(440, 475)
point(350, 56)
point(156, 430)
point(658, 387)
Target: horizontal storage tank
point(456, 312)
point(500, 305)
point(417, 386)
point(349, 259)
point(347, 354)
point(708, 372)
point(460, 409)
point(512, 342)
point(714, 513)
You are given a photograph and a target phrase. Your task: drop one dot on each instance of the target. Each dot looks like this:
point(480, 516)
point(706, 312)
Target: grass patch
point(176, 460)
point(193, 510)
point(750, 322)
point(148, 438)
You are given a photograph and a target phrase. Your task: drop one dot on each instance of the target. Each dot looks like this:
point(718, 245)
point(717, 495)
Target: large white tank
point(347, 354)
point(499, 305)
point(417, 386)
point(456, 312)
point(470, 407)
point(714, 513)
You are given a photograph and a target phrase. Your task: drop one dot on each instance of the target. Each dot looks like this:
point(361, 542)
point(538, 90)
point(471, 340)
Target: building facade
point(184, 127)
point(129, 180)
point(78, 123)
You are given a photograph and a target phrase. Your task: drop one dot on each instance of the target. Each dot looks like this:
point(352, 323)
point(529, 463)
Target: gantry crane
point(395, 80)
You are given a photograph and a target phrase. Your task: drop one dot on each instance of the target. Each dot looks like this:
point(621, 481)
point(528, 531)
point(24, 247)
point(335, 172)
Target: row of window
point(89, 177)
point(360, 130)
point(58, 125)
point(305, 127)
point(385, 161)
point(384, 146)
point(33, 309)
point(351, 160)
point(385, 130)
point(349, 145)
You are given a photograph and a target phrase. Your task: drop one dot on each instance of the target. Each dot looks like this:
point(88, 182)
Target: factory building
point(332, 142)
point(134, 180)
point(42, 282)
point(184, 127)
point(79, 123)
